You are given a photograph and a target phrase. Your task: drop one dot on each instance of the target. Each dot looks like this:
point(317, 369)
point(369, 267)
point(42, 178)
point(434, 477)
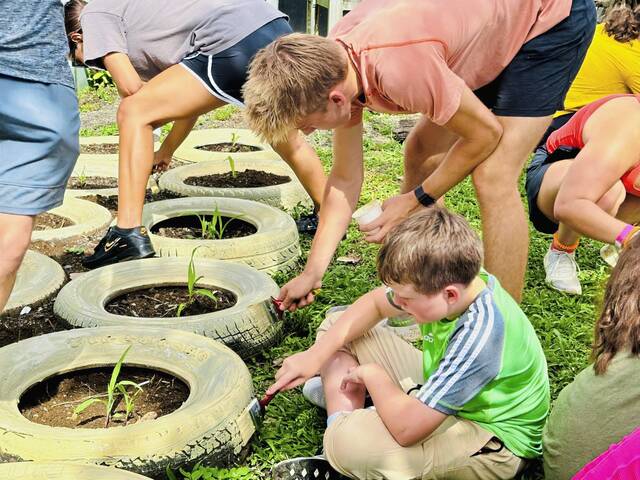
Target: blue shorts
point(225, 73)
point(39, 144)
point(536, 81)
point(536, 170)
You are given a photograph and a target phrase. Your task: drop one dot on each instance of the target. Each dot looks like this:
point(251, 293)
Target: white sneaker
point(609, 254)
point(562, 271)
point(314, 392)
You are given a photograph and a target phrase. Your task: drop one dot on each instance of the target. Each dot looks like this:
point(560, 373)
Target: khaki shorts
point(358, 444)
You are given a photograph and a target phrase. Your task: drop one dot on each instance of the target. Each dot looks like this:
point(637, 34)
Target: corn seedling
point(81, 180)
point(115, 389)
point(234, 141)
point(214, 229)
point(193, 292)
point(232, 165)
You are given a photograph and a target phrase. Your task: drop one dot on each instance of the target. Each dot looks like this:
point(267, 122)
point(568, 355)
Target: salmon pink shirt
point(415, 56)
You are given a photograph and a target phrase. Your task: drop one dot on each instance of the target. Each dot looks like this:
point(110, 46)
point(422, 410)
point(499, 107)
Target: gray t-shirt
point(157, 34)
point(33, 44)
point(591, 413)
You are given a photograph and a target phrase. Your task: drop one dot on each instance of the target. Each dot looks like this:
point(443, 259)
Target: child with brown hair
point(602, 404)
point(472, 403)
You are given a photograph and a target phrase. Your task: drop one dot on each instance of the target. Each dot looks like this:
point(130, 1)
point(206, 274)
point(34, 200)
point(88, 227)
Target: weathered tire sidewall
point(63, 471)
point(212, 426)
point(38, 278)
point(188, 151)
point(248, 327)
point(273, 248)
point(284, 196)
point(88, 217)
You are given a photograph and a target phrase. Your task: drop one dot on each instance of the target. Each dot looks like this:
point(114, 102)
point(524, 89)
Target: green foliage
point(192, 280)
point(232, 165)
point(104, 130)
point(214, 229)
point(115, 389)
point(82, 178)
point(213, 473)
point(234, 140)
point(99, 78)
point(224, 113)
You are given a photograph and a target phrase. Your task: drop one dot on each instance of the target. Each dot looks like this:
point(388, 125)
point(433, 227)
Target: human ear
point(451, 294)
point(337, 98)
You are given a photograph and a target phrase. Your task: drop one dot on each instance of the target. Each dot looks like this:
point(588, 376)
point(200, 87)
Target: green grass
point(564, 324)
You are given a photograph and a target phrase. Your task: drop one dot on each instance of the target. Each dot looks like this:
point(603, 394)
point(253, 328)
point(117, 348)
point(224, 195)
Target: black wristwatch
point(424, 198)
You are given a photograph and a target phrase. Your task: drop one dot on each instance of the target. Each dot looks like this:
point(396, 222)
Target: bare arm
point(340, 198)
point(124, 75)
point(305, 163)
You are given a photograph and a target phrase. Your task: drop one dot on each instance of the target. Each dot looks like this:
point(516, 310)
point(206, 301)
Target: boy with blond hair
point(471, 404)
point(486, 77)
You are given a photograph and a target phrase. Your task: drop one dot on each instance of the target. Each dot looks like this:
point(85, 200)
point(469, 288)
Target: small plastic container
point(368, 213)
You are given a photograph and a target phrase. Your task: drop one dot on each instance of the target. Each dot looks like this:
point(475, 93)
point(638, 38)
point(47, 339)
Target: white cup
point(368, 213)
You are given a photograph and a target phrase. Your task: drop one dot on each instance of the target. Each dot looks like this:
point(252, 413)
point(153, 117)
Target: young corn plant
point(81, 180)
point(234, 141)
point(214, 229)
point(115, 389)
point(232, 165)
point(193, 292)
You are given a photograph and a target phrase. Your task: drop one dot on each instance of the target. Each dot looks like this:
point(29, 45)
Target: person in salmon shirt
point(597, 193)
point(487, 78)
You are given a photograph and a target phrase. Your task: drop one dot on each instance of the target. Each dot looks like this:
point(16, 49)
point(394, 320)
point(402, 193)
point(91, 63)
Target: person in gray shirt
point(39, 124)
point(173, 61)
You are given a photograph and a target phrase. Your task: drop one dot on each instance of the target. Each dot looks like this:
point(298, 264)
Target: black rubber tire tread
point(248, 328)
point(213, 426)
point(273, 248)
point(285, 196)
point(63, 471)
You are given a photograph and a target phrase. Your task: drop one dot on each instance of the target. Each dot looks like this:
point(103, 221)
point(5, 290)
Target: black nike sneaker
point(308, 223)
point(120, 244)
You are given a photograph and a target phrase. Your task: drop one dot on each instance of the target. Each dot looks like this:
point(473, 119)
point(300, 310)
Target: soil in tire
point(100, 148)
point(228, 147)
point(53, 401)
point(89, 183)
point(50, 221)
point(246, 179)
point(158, 302)
point(189, 227)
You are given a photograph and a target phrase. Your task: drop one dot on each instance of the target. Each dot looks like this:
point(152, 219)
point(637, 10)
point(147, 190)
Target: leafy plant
point(234, 141)
point(214, 229)
point(81, 179)
point(192, 280)
point(212, 473)
point(99, 79)
point(232, 165)
point(115, 389)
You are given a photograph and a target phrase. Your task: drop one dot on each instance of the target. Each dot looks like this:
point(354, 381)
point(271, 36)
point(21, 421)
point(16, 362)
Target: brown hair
point(430, 250)
point(622, 20)
point(291, 78)
point(72, 10)
point(618, 327)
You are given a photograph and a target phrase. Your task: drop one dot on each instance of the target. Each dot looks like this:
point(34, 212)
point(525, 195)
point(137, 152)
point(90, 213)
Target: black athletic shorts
point(535, 174)
point(224, 73)
point(536, 81)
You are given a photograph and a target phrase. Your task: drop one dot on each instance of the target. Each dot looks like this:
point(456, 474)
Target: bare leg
point(332, 374)
point(424, 149)
point(173, 95)
point(504, 224)
point(15, 235)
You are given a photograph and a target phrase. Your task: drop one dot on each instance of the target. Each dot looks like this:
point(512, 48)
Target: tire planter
point(87, 217)
point(38, 278)
point(96, 165)
point(63, 471)
point(273, 248)
point(212, 426)
point(248, 327)
point(284, 196)
point(188, 151)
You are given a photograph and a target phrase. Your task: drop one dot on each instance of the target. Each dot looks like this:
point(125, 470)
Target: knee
point(130, 111)
point(494, 184)
point(611, 201)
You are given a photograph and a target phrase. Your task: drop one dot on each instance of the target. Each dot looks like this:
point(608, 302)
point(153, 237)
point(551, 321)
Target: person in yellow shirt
point(611, 66)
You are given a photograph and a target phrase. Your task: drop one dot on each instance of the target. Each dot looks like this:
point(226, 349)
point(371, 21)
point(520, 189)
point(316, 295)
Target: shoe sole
point(305, 469)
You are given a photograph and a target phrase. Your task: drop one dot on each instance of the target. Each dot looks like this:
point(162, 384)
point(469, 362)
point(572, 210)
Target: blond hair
point(291, 78)
point(430, 250)
point(618, 327)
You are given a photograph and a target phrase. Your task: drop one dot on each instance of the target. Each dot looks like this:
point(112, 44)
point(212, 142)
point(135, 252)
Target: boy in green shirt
point(472, 404)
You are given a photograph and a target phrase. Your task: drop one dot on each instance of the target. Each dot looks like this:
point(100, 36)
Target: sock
point(561, 247)
point(333, 416)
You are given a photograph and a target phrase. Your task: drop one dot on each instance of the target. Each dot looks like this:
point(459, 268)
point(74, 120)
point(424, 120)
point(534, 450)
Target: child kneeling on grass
point(484, 396)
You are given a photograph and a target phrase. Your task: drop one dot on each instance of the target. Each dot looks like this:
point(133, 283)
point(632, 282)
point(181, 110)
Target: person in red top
point(597, 193)
point(487, 76)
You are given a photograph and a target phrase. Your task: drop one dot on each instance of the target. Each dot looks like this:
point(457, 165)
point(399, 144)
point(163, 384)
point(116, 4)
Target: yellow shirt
point(610, 67)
